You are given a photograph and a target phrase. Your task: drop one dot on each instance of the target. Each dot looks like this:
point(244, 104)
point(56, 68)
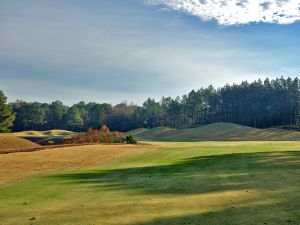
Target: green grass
point(215, 183)
point(216, 132)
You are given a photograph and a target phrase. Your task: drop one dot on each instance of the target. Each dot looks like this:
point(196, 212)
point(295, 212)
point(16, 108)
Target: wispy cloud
point(231, 12)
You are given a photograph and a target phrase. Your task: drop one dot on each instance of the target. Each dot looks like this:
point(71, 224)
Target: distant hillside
point(216, 132)
point(8, 142)
point(43, 133)
point(44, 137)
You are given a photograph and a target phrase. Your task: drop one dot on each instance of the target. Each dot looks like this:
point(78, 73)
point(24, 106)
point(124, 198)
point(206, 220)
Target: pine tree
point(74, 119)
point(6, 115)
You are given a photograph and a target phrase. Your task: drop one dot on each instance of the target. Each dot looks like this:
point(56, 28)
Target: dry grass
point(12, 143)
point(18, 165)
point(43, 137)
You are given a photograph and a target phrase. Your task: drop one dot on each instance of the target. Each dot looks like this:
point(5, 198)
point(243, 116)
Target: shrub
point(93, 135)
point(130, 140)
point(80, 138)
point(105, 135)
point(117, 137)
point(97, 136)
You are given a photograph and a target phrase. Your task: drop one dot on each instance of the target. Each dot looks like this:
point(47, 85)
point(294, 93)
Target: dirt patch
point(21, 164)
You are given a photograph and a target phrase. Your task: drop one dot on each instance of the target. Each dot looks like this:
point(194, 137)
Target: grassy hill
point(43, 133)
point(216, 132)
point(207, 183)
point(8, 142)
point(44, 137)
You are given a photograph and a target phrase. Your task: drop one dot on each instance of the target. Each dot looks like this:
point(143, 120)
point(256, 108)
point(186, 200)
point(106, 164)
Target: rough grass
point(19, 165)
point(207, 183)
point(8, 142)
point(216, 132)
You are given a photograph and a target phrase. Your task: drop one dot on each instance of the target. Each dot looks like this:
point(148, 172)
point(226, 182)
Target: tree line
point(258, 104)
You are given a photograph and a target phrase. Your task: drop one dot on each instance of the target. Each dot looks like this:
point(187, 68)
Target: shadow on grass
point(231, 216)
point(199, 174)
point(276, 175)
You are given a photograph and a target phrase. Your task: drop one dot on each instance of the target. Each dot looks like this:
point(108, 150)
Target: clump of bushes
point(130, 140)
point(104, 135)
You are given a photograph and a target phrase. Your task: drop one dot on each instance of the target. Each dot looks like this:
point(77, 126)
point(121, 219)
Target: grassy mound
point(216, 132)
point(43, 133)
point(45, 137)
point(8, 142)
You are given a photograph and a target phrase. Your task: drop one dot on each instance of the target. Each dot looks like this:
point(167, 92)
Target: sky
point(116, 50)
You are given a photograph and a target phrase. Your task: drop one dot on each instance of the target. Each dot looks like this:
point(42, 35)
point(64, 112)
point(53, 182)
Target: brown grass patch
point(8, 143)
point(18, 165)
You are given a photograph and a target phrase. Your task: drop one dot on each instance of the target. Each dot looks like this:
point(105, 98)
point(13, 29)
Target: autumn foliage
point(104, 135)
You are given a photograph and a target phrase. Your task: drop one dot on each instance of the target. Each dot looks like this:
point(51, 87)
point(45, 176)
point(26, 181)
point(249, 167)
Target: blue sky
point(114, 50)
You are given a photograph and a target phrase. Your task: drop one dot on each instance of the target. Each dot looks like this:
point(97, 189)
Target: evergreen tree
point(6, 115)
point(55, 115)
point(258, 104)
point(74, 120)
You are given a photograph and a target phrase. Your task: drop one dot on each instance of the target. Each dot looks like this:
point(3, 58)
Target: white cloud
point(232, 12)
point(96, 56)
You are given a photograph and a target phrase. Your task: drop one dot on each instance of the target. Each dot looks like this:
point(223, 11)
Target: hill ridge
point(9, 142)
point(223, 131)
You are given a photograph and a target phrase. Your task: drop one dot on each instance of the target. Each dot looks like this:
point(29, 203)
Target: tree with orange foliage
point(117, 137)
point(105, 134)
point(97, 136)
point(93, 135)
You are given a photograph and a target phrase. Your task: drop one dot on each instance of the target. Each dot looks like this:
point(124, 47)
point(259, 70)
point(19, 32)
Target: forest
point(258, 104)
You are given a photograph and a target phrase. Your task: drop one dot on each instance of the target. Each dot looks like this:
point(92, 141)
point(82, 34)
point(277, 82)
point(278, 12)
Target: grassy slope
point(42, 137)
point(8, 142)
point(14, 166)
point(216, 132)
point(43, 133)
point(226, 183)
